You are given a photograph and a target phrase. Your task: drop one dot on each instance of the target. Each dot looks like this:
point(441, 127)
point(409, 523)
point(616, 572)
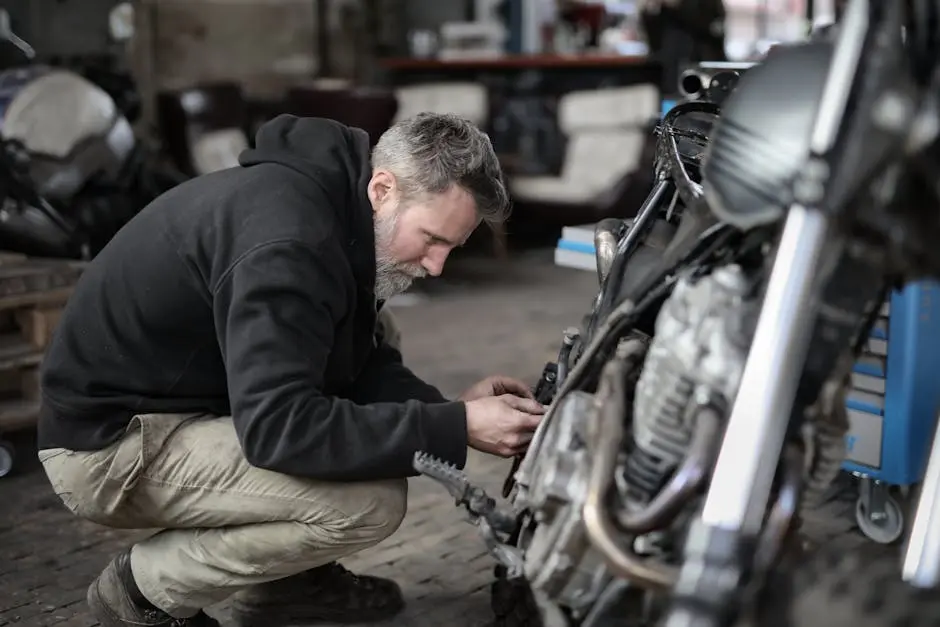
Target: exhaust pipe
point(693, 83)
point(606, 235)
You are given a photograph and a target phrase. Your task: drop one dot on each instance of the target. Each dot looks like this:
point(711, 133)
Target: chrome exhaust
point(693, 83)
point(606, 236)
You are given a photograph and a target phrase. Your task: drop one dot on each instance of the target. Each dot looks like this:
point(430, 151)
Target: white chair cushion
point(631, 106)
point(217, 150)
point(594, 162)
point(468, 100)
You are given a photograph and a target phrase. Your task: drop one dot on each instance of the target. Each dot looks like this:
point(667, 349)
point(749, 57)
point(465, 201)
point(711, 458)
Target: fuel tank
point(762, 138)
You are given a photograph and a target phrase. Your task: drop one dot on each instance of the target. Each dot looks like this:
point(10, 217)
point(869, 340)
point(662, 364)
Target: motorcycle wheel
point(846, 589)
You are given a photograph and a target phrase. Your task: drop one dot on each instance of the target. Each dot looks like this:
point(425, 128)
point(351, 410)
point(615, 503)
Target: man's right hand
point(502, 425)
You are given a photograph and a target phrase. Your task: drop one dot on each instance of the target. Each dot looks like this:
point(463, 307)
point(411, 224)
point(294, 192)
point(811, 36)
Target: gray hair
point(430, 152)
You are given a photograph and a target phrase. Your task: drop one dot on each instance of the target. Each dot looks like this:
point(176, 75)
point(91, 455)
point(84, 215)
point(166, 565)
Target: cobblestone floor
point(486, 318)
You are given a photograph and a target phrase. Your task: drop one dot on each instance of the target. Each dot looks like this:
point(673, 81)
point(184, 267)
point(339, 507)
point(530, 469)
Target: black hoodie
point(250, 292)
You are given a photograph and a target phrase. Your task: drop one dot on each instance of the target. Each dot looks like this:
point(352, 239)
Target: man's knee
point(79, 480)
point(387, 509)
point(363, 515)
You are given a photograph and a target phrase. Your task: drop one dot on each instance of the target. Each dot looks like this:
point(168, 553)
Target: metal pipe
point(7, 34)
point(644, 217)
point(742, 480)
point(692, 83)
point(605, 245)
point(609, 599)
point(600, 528)
point(639, 227)
point(783, 513)
point(569, 338)
point(685, 482)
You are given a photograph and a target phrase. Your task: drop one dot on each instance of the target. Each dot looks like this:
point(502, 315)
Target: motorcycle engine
point(696, 354)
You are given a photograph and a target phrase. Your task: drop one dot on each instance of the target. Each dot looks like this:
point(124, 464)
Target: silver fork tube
point(921, 566)
point(748, 458)
point(740, 487)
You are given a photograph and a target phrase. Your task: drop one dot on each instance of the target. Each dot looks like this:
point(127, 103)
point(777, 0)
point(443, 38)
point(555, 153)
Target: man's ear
point(382, 188)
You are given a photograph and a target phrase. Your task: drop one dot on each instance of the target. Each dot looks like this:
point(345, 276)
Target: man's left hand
point(497, 386)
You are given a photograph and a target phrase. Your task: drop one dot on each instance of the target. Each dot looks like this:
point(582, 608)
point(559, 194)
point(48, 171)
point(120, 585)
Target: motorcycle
point(690, 425)
point(72, 171)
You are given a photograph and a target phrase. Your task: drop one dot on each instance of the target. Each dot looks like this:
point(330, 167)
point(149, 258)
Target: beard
point(391, 277)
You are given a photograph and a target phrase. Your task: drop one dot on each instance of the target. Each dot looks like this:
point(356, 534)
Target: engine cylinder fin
point(696, 346)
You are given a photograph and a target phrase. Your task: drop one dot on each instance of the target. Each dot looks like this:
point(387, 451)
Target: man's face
point(414, 240)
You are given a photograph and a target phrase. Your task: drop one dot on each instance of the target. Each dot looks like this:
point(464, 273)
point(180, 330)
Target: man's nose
point(433, 262)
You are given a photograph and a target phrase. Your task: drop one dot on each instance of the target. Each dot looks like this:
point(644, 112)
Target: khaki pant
point(225, 524)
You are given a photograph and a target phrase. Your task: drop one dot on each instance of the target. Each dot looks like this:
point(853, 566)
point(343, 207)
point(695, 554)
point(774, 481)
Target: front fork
point(716, 552)
point(716, 556)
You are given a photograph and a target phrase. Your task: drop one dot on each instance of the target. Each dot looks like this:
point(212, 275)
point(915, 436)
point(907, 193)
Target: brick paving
point(485, 318)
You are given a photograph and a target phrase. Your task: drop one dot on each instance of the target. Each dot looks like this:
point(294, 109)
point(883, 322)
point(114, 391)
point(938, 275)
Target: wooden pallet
point(33, 293)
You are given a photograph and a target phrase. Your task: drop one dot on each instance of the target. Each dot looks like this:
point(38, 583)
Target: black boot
point(328, 594)
point(116, 601)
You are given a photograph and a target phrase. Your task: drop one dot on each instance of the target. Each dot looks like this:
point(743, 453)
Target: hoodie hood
point(338, 159)
point(335, 156)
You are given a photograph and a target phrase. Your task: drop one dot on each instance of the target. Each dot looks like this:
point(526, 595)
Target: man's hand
point(502, 425)
point(496, 386)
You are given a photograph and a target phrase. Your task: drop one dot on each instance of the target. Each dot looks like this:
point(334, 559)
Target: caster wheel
point(7, 458)
point(886, 531)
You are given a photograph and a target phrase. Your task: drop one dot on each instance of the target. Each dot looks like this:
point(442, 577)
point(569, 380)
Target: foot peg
point(475, 499)
point(482, 508)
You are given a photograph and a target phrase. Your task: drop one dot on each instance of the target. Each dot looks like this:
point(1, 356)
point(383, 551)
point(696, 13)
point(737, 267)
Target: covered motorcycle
point(72, 171)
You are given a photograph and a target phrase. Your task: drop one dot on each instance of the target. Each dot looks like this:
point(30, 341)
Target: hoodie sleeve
point(275, 311)
point(386, 378)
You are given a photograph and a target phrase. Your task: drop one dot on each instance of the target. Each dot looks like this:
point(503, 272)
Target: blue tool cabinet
point(896, 389)
point(893, 405)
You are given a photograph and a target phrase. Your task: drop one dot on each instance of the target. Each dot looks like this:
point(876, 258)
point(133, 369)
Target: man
point(217, 374)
